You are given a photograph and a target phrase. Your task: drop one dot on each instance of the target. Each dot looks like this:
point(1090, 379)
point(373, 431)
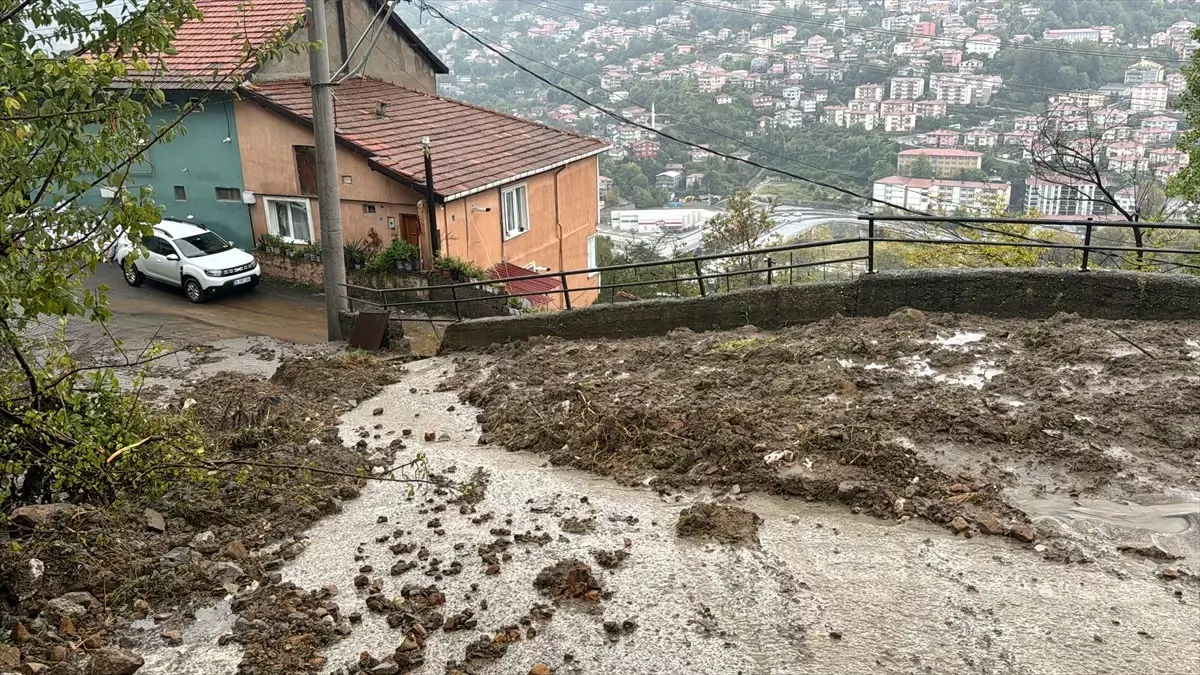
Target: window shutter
point(306, 168)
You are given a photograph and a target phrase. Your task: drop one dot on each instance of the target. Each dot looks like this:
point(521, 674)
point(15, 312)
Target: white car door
point(158, 266)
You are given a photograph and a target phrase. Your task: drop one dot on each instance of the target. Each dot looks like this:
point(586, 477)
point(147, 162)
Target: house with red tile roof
point(507, 192)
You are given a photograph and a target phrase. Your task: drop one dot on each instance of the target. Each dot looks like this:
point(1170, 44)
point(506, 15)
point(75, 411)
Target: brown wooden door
point(411, 229)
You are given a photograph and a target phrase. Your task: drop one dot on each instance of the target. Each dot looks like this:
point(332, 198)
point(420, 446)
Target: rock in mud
point(113, 661)
point(9, 657)
point(39, 514)
point(154, 521)
point(1022, 532)
point(959, 524)
point(540, 669)
point(723, 522)
point(989, 524)
point(485, 649)
point(205, 542)
point(61, 608)
point(569, 579)
point(20, 634)
point(82, 598)
point(236, 550)
point(610, 560)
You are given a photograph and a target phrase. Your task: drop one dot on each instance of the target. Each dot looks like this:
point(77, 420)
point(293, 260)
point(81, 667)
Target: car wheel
point(133, 276)
point(193, 290)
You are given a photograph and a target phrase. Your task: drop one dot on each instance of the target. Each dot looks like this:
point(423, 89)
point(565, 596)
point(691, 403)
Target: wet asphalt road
point(158, 311)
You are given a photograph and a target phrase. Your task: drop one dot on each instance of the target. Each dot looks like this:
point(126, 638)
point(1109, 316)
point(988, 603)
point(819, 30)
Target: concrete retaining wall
point(1027, 293)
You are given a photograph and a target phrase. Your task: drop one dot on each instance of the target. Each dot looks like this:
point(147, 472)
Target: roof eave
point(526, 174)
point(407, 33)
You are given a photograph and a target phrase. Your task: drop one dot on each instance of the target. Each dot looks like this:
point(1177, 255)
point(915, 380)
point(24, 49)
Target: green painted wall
point(199, 160)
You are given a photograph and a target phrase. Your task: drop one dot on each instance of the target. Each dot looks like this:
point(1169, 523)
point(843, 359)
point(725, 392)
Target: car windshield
point(200, 245)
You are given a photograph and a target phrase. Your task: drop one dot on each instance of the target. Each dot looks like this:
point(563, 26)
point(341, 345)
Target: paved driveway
point(157, 311)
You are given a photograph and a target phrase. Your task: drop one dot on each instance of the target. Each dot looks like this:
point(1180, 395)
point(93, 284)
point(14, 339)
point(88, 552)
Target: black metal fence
point(702, 275)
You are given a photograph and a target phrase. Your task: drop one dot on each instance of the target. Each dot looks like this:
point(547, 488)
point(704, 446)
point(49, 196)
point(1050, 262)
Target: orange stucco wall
point(269, 167)
point(470, 232)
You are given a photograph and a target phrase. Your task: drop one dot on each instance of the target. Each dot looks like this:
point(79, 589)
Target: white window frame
point(592, 261)
point(273, 226)
point(507, 226)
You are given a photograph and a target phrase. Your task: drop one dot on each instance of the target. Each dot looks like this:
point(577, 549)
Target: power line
point(736, 141)
point(718, 153)
point(714, 132)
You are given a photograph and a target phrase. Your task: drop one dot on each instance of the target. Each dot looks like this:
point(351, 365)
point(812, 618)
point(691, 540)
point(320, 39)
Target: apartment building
point(1148, 97)
point(939, 195)
point(946, 162)
point(1062, 196)
point(869, 92)
point(911, 88)
point(1144, 72)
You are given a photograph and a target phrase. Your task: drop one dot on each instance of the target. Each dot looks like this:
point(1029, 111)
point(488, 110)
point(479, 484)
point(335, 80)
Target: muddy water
point(827, 592)
point(1170, 522)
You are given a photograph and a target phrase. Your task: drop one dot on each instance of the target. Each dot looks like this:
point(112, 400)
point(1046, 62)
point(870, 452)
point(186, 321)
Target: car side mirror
point(172, 257)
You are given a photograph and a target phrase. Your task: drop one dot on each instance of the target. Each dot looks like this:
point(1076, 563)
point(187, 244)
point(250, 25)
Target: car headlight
point(215, 273)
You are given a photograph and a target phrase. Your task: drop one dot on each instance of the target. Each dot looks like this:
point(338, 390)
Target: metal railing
point(704, 273)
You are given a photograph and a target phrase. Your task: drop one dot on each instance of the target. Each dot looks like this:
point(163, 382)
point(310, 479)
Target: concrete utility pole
point(329, 203)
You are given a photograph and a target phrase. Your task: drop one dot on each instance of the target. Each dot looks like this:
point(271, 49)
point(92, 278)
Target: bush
point(357, 253)
point(84, 439)
point(398, 251)
point(464, 267)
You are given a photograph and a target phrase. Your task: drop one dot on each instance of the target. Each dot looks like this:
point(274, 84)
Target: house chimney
point(381, 109)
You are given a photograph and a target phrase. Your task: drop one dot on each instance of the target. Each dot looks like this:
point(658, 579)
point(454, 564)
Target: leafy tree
point(1186, 184)
point(73, 121)
point(922, 167)
point(744, 226)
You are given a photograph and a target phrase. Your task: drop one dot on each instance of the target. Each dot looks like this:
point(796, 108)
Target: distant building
point(946, 162)
point(980, 138)
point(1161, 122)
point(645, 149)
point(907, 87)
point(869, 92)
point(951, 59)
point(1148, 97)
point(985, 44)
point(659, 220)
point(942, 138)
point(669, 180)
point(948, 196)
point(929, 109)
point(899, 122)
point(1144, 72)
point(1062, 196)
point(1099, 34)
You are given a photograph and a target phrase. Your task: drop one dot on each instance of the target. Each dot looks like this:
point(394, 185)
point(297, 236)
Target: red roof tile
point(212, 51)
point(473, 148)
point(542, 287)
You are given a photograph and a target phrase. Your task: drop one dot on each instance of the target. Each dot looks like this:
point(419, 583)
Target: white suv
point(191, 257)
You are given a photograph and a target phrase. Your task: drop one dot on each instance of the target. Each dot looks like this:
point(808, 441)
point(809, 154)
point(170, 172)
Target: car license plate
point(239, 282)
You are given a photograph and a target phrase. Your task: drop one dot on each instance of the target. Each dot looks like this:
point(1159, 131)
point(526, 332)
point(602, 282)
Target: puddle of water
point(979, 374)
point(198, 653)
point(1172, 517)
point(959, 339)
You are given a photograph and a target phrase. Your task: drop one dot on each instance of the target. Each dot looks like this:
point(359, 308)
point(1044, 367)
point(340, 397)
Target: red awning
point(543, 289)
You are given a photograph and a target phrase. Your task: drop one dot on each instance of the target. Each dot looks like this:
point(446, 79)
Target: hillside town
point(954, 92)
